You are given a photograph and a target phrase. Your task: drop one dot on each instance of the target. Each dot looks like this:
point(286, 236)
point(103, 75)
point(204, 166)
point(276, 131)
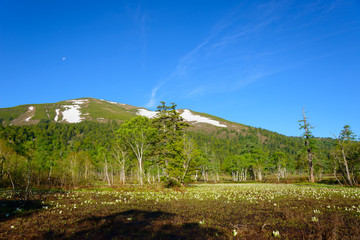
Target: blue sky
point(254, 62)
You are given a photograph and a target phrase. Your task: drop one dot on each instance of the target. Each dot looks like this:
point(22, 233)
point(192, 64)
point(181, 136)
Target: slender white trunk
point(346, 167)
point(259, 175)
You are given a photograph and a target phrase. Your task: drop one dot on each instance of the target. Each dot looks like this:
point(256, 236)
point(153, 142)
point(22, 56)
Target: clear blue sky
point(254, 62)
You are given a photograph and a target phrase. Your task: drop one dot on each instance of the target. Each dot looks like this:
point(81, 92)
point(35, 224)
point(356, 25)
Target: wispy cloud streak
point(233, 53)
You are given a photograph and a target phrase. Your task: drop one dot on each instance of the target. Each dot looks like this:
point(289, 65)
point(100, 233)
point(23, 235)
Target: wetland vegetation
point(203, 211)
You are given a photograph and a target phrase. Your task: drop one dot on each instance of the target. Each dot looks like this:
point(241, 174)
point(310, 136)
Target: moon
point(63, 58)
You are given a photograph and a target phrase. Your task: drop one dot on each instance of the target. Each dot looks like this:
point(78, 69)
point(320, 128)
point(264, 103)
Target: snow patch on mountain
point(146, 113)
point(57, 115)
point(72, 113)
point(190, 117)
point(187, 115)
point(31, 111)
point(78, 101)
point(112, 102)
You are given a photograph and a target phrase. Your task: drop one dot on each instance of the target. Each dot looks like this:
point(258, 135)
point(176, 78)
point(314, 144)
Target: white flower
point(314, 219)
point(202, 222)
point(234, 232)
point(276, 234)
point(12, 226)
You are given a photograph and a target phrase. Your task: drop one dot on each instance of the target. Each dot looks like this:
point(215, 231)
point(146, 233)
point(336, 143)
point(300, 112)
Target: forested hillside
point(164, 148)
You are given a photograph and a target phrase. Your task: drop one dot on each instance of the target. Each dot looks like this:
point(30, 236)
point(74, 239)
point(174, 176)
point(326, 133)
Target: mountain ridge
point(210, 132)
point(92, 109)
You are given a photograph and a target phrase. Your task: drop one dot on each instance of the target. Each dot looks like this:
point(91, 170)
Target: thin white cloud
point(153, 100)
point(140, 19)
point(253, 64)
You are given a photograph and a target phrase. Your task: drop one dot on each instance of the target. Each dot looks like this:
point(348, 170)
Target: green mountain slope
point(210, 132)
point(88, 124)
point(70, 111)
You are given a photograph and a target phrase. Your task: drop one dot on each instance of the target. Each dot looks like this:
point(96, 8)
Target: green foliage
point(49, 146)
point(170, 182)
point(174, 151)
point(67, 155)
point(44, 111)
point(9, 114)
point(346, 157)
point(105, 110)
point(139, 134)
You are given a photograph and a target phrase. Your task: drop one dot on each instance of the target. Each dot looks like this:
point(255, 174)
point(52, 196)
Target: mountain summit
point(91, 109)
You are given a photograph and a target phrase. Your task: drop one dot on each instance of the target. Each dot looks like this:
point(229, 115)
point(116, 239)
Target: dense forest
point(164, 149)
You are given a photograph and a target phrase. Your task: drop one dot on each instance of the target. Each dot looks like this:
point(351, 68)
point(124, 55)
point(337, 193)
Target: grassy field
point(205, 211)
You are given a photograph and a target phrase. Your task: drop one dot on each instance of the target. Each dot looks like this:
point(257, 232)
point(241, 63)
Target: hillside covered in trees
point(165, 148)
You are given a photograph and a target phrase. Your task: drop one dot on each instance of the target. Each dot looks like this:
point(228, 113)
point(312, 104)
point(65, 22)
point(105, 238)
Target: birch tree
point(138, 134)
point(347, 155)
point(120, 154)
point(279, 162)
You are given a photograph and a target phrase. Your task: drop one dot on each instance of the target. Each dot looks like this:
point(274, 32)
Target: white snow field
point(57, 115)
point(190, 117)
point(72, 113)
point(146, 113)
point(187, 115)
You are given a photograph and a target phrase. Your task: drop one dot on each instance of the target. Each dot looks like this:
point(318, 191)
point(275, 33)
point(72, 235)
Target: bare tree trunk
point(158, 173)
point(12, 184)
point(106, 172)
point(140, 172)
point(311, 166)
point(259, 175)
point(148, 177)
point(49, 176)
point(122, 175)
point(346, 167)
point(112, 175)
point(308, 149)
point(336, 177)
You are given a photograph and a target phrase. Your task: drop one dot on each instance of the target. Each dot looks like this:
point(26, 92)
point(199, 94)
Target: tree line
point(165, 149)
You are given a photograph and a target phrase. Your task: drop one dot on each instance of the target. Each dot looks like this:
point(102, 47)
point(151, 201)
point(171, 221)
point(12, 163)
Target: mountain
point(69, 111)
point(216, 136)
point(102, 111)
point(99, 110)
